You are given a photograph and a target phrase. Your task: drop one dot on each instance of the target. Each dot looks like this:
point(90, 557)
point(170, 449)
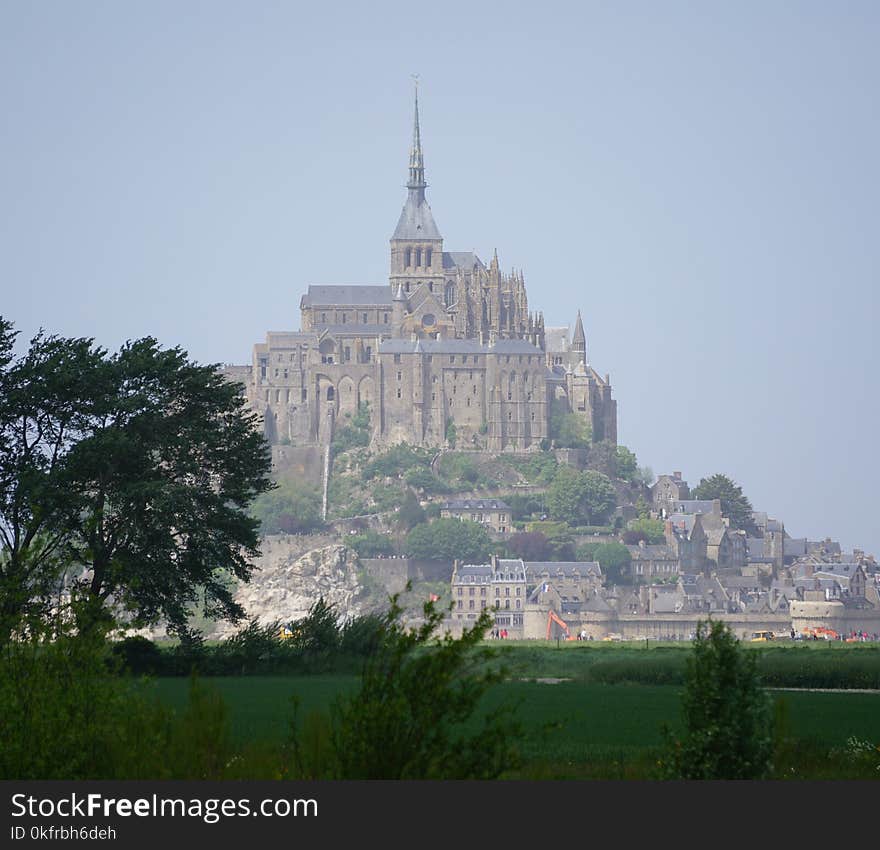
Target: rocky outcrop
point(286, 583)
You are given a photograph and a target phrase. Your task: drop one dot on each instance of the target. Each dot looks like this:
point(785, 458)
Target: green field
point(573, 729)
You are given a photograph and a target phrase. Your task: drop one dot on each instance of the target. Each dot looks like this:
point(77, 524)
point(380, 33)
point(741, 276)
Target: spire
point(416, 181)
point(416, 221)
point(579, 341)
point(399, 295)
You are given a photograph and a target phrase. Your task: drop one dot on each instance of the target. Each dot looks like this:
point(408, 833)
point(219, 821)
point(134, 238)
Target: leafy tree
point(613, 558)
point(448, 540)
point(567, 429)
point(371, 544)
point(411, 512)
point(136, 468)
point(627, 465)
point(734, 503)
point(530, 546)
point(522, 505)
point(292, 507)
point(603, 458)
point(728, 727)
point(413, 716)
point(581, 497)
point(48, 400)
point(396, 460)
point(644, 528)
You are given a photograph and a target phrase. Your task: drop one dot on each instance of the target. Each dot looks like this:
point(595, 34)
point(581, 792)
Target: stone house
point(666, 490)
point(493, 513)
point(499, 585)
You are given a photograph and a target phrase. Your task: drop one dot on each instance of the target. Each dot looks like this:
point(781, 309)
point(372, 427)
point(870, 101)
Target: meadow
point(603, 710)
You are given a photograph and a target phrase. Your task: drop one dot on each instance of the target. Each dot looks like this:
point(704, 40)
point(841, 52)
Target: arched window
point(418, 257)
point(428, 253)
point(331, 394)
point(407, 257)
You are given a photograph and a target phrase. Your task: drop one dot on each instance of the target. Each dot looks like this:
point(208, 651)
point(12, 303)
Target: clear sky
point(701, 179)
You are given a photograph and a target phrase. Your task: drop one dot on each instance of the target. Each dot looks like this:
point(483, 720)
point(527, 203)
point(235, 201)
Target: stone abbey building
point(448, 339)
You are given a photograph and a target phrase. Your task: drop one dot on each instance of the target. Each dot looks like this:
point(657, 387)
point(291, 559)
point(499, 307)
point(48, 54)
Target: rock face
point(286, 583)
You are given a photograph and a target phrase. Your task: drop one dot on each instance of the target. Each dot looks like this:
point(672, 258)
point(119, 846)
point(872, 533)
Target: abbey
point(447, 341)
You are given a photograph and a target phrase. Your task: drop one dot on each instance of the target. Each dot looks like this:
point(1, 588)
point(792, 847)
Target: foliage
point(727, 720)
point(530, 546)
point(448, 540)
point(602, 458)
point(139, 467)
point(390, 497)
point(734, 503)
point(580, 497)
point(344, 498)
point(411, 513)
point(354, 432)
point(451, 432)
point(396, 460)
point(567, 429)
point(627, 465)
point(460, 471)
point(537, 469)
point(643, 528)
point(408, 719)
point(423, 479)
point(613, 558)
point(292, 507)
point(522, 506)
point(371, 544)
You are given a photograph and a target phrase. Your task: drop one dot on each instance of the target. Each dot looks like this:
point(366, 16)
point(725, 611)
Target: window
point(498, 591)
point(418, 257)
point(305, 394)
point(452, 358)
point(347, 354)
point(460, 604)
point(399, 376)
point(507, 591)
point(471, 591)
point(428, 253)
point(344, 319)
point(519, 591)
point(397, 358)
point(331, 394)
point(407, 257)
point(518, 604)
point(364, 317)
point(482, 591)
point(460, 591)
point(507, 604)
point(323, 318)
point(398, 394)
point(471, 604)
point(385, 318)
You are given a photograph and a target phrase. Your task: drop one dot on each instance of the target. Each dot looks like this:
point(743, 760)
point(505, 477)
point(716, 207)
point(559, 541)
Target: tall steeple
point(416, 183)
point(579, 340)
point(416, 244)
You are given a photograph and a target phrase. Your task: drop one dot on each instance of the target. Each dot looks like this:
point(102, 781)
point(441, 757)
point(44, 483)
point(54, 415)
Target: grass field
point(574, 729)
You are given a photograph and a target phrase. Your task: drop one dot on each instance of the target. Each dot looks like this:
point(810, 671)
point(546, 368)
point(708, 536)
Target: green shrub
point(409, 719)
point(728, 726)
point(371, 544)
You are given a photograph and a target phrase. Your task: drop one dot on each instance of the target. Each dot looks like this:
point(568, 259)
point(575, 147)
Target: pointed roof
point(416, 220)
point(579, 340)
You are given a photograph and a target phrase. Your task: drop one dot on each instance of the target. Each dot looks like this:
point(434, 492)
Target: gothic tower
point(416, 246)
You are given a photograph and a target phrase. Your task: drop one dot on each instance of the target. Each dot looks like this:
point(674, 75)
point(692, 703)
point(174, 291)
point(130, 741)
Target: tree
point(627, 465)
point(530, 546)
point(414, 714)
point(581, 497)
point(411, 512)
point(451, 432)
point(734, 504)
point(568, 430)
point(727, 720)
point(48, 399)
point(135, 469)
point(644, 528)
point(448, 540)
point(613, 558)
point(292, 507)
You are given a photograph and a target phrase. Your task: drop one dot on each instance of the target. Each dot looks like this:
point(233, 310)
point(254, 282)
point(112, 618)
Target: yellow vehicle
point(761, 637)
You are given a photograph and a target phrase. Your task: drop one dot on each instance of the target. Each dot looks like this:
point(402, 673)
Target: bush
point(291, 508)
point(138, 655)
point(396, 461)
point(371, 544)
point(448, 540)
point(727, 719)
point(413, 716)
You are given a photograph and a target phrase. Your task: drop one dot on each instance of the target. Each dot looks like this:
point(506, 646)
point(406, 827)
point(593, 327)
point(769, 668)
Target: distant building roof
point(347, 296)
point(475, 504)
point(461, 260)
point(697, 506)
point(567, 568)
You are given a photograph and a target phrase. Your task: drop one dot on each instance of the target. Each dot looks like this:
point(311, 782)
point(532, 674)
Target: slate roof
point(514, 346)
point(694, 506)
point(348, 296)
point(567, 568)
point(416, 221)
point(461, 260)
point(475, 504)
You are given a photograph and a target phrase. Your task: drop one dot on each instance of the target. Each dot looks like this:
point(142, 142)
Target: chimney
point(677, 475)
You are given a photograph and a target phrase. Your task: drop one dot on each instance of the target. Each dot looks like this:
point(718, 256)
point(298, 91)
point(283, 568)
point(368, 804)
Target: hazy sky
point(701, 179)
